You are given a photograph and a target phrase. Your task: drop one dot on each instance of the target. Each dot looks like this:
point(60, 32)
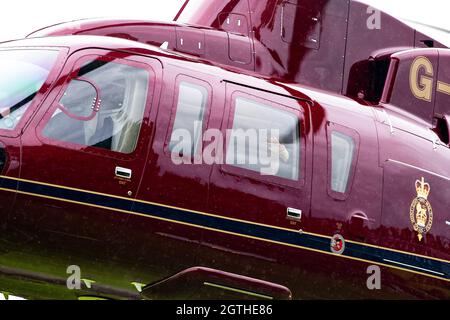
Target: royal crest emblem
point(421, 212)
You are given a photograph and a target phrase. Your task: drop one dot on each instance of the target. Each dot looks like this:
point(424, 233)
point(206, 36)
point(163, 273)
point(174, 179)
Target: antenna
point(181, 10)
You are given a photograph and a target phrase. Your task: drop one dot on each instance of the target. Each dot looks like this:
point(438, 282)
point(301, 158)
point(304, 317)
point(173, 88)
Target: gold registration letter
point(422, 85)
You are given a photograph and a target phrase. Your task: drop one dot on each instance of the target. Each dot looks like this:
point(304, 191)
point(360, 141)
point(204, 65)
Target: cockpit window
point(22, 75)
point(103, 107)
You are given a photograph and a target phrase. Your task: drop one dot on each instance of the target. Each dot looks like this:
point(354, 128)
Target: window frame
point(180, 78)
point(107, 56)
point(353, 134)
point(228, 124)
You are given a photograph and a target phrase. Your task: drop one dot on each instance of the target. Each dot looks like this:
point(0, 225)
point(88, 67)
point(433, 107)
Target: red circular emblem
point(337, 244)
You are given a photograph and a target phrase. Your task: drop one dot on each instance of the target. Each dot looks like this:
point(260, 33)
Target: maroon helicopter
point(96, 177)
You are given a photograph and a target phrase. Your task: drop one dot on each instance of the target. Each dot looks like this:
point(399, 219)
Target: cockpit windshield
point(22, 74)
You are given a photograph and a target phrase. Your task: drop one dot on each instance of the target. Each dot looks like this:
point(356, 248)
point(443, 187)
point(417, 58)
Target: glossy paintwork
point(39, 152)
point(257, 35)
point(184, 217)
point(11, 168)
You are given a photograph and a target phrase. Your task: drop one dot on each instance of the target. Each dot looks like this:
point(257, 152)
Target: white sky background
point(19, 17)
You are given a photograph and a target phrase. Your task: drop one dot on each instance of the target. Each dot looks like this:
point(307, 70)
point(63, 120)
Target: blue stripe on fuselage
point(304, 240)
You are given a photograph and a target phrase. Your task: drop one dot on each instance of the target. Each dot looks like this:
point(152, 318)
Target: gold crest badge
point(421, 213)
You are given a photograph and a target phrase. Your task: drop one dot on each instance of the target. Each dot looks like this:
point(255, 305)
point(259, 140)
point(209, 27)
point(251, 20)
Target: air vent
point(367, 79)
point(442, 129)
point(428, 43)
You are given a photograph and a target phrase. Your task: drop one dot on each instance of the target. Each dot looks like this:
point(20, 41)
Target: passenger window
point(343, 152)
point(264, 136)
point(103, 108)
point(191, 106)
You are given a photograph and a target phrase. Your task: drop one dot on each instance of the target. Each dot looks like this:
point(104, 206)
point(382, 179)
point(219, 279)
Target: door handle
point(294, 214)
point(360, 216)
point(123, 173)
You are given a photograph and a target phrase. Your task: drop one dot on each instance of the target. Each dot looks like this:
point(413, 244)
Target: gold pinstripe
point(219, 230)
